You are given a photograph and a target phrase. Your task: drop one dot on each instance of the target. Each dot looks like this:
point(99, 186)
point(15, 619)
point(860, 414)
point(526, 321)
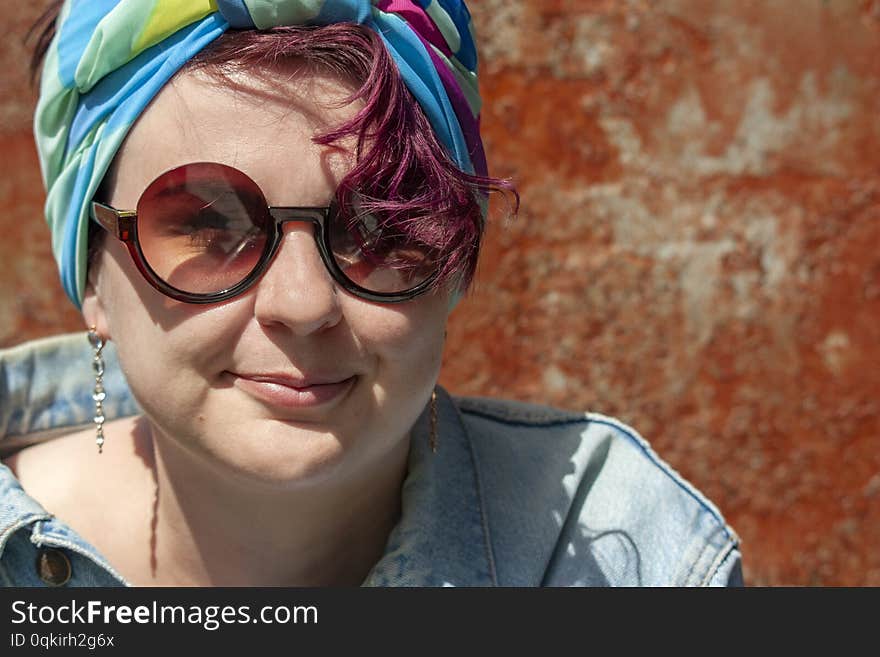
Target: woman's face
point(221, 379)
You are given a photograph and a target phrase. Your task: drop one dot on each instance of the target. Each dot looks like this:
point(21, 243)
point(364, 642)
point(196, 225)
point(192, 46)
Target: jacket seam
point(10, 529)
point(705, 547)
point(720, 558)
point(40, 539)
point(484, 521)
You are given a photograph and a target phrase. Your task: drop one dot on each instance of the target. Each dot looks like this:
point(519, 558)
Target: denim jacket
point(516, 494)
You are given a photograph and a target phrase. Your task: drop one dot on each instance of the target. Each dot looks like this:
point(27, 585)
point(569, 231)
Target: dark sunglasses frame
point(122, 224)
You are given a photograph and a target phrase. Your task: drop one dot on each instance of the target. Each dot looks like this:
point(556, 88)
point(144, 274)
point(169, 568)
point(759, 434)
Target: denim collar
point(442, 538)
point(17, 508)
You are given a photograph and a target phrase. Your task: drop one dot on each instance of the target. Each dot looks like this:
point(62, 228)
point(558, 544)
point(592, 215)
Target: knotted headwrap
point(109, 58)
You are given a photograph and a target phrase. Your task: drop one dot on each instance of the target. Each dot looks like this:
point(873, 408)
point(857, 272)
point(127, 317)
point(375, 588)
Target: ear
point(92, 308)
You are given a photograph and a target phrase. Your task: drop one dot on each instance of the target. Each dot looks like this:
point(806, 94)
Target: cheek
point(407, 338)
point(152, 331)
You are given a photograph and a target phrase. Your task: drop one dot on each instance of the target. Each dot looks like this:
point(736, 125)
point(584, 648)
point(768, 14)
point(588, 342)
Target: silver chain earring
point(98, 394)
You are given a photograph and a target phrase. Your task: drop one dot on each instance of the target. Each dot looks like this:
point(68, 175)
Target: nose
point(297, 291)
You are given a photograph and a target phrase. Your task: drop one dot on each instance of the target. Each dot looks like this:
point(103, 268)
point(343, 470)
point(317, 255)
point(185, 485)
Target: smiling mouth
point(287, 393)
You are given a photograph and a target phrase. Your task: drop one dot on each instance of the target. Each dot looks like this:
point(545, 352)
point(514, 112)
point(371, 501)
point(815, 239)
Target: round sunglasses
point(204, 232)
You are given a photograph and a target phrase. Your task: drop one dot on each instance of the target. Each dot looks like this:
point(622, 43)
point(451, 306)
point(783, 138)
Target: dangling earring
point(432, 441)
point(98, 394)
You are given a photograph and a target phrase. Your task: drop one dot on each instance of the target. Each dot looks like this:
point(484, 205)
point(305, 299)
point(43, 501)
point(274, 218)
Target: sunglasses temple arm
point(119, 223)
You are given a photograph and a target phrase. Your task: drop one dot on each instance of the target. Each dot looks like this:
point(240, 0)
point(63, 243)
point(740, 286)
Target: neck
point(210, 530)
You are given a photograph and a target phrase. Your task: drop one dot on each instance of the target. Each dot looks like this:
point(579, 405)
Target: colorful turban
point(109, 58)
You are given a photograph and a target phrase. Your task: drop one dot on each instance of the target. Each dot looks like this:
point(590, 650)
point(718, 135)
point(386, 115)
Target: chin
point(280, 457)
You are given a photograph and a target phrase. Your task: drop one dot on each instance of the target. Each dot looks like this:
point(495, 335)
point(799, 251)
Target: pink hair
point(402, 169)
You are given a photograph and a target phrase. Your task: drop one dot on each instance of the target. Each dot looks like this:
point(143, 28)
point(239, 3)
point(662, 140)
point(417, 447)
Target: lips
point(300, 383)
point(294, 392)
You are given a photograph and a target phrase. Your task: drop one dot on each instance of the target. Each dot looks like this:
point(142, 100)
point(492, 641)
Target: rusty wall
point(696, 253)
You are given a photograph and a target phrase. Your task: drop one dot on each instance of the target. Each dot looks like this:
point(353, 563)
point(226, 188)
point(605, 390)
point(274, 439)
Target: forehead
point(263, 127)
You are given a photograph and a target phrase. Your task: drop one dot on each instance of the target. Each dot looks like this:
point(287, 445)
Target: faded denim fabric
point(516, 495)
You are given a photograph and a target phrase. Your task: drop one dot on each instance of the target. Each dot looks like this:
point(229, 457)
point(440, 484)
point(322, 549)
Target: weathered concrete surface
point(31, 301)
point(697, 250)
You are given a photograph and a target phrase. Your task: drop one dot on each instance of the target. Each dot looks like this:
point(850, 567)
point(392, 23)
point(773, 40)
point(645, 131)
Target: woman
point(270, 208)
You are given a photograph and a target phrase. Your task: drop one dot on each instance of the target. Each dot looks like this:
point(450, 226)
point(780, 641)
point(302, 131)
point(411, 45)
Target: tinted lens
point(202, 227)
point(378, 253)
